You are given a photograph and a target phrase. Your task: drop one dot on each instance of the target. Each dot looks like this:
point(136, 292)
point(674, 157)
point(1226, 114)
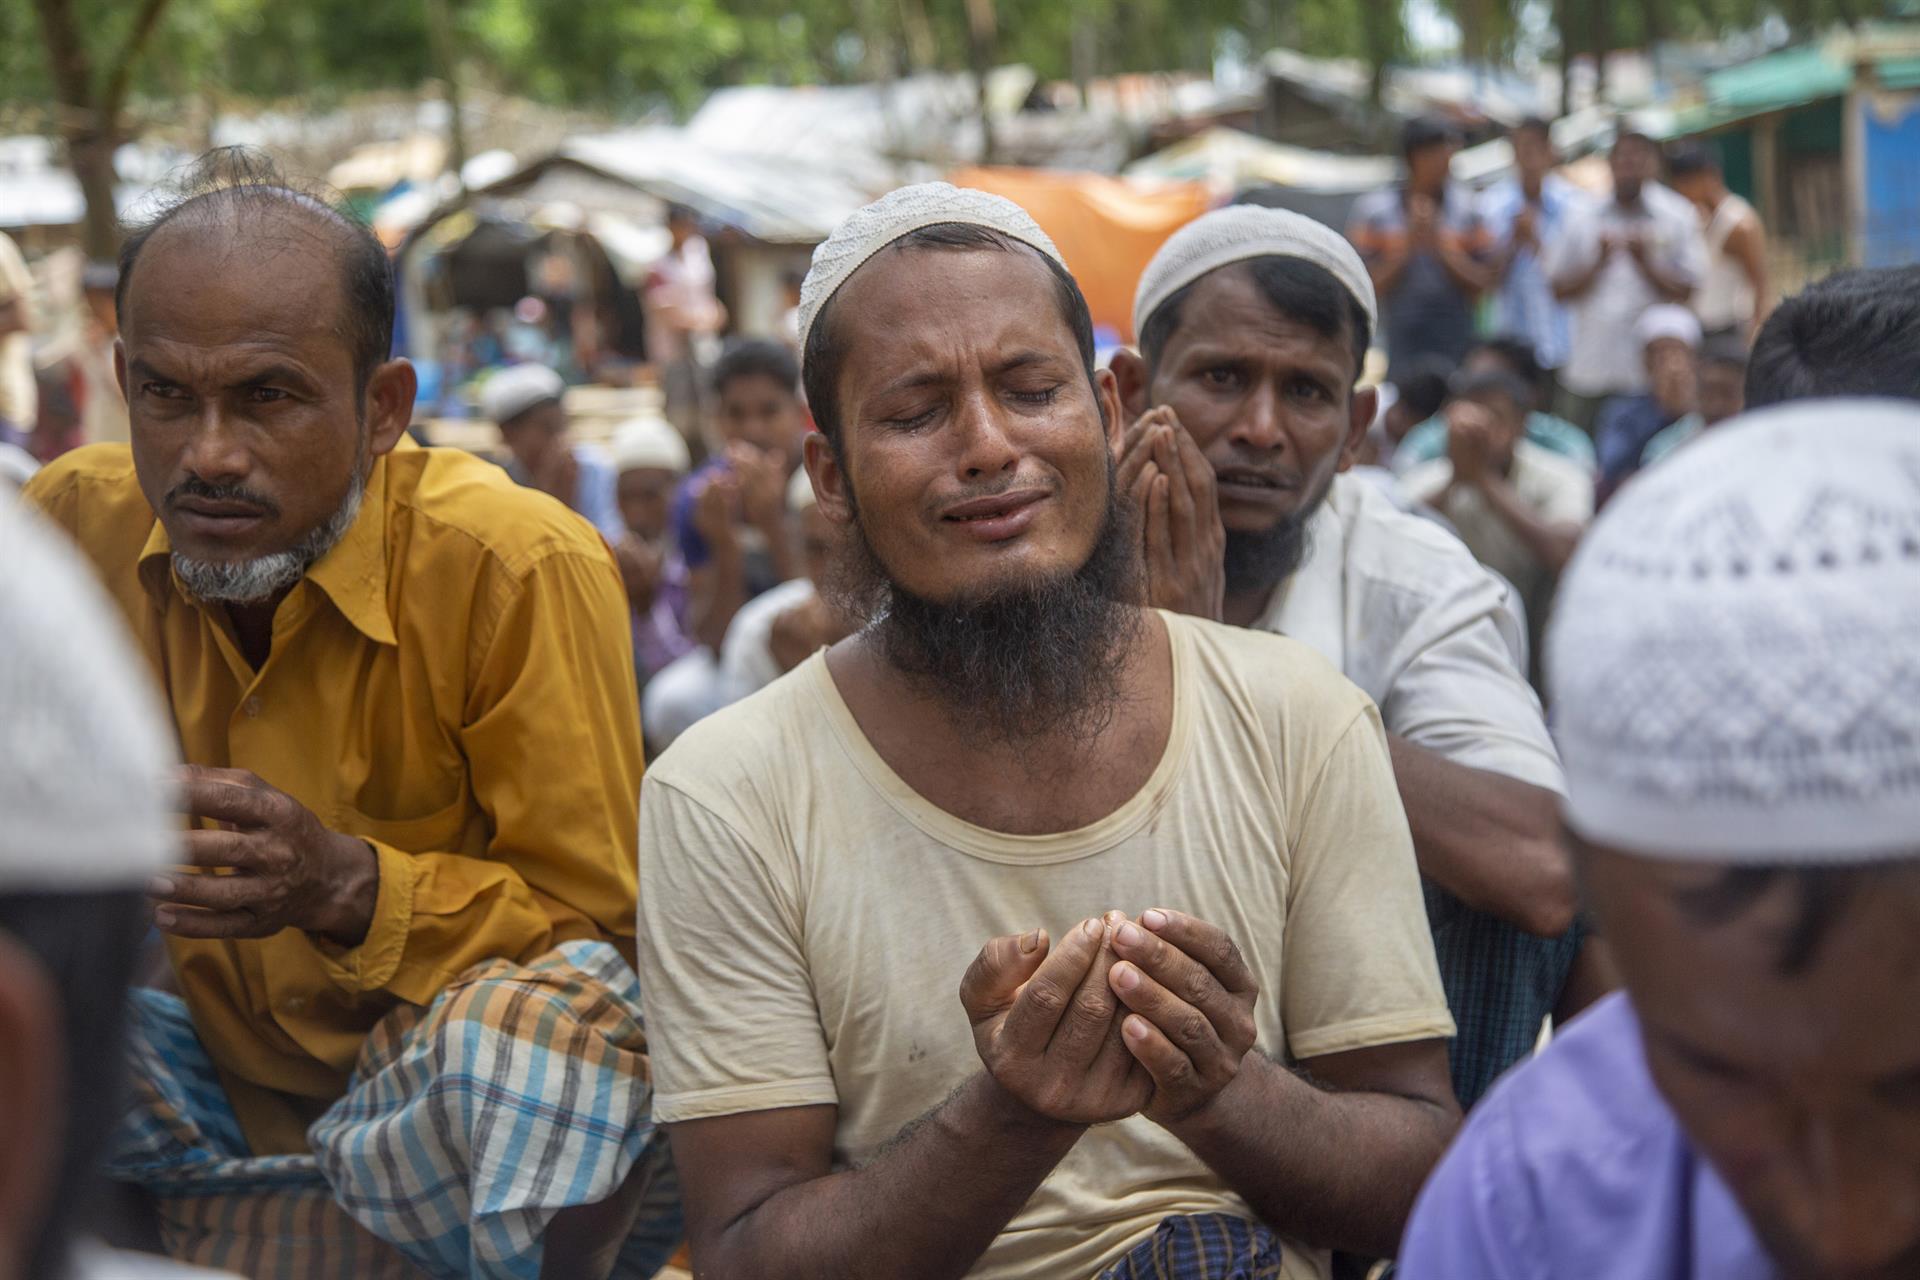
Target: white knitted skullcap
point(1240, 232)
point(1667, 320)
point(1734, 658)
point(85, 754)
point(800, 494)
point(908, 209)
point(649, 441)
point(518, 388)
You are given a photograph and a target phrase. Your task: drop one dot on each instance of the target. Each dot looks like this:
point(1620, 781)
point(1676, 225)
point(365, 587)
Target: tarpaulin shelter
point(1107, 228)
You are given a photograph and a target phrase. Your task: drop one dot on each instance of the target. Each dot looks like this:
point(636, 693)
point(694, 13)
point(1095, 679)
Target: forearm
point(1337, 1170)
point(1490, 840)
point(1551, 543)
point(1670, 288)
point(925, 1209)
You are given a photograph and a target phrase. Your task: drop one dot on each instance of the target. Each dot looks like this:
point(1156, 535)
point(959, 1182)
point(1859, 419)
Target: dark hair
point(1299, 290)
point(1422, 132)
point(88, 944)
point(1425, 388)
point(248, 182)
point(1820, 893)
point(755, 358)
point(1533, 124)
point(1856, 333)
point(1685, 159)
point(1519, 355)
point(825, 352)
point(1471, 386)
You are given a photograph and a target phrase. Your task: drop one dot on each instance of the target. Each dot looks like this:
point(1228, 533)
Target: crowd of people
point(944, 807)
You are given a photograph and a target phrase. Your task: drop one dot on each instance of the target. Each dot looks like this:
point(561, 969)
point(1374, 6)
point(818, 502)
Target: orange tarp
point(1107, 228)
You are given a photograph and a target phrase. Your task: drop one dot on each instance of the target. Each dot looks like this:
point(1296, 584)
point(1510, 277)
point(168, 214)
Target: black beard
point(1256, 563)
point(1027, 661)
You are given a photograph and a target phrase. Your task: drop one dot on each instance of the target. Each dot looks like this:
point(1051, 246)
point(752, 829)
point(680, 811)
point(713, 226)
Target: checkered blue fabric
point(1203, 1246)
point(522, 1090)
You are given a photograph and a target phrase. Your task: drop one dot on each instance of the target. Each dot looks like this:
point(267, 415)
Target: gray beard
point(264, 577)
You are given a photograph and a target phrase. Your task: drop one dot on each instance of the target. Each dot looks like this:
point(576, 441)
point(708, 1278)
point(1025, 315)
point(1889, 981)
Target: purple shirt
point(660, 634)
point(1574, 1168)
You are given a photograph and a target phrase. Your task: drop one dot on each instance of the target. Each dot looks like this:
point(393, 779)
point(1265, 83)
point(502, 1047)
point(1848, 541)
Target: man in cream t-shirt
point(1160, 862)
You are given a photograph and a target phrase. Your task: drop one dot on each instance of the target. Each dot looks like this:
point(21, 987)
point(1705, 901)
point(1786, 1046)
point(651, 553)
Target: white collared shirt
point(1406, 612)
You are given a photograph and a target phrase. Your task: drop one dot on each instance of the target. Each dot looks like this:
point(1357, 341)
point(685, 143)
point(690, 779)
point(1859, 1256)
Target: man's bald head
point(236, 201)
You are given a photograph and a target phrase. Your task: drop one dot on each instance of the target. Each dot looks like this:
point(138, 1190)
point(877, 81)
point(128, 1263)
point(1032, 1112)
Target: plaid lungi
point(521, 1090)
point(1202, 1246)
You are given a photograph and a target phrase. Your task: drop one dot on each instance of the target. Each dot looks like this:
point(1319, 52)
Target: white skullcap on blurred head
point(1667, 320)
point(1240, 232)
point(927, 204)
point(1734, 656)
point(517, 388)
point(800, 492)
point(85, 751)
point(649, 441)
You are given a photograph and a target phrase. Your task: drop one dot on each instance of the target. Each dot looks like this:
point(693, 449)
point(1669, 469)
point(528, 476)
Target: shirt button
point(252, 707)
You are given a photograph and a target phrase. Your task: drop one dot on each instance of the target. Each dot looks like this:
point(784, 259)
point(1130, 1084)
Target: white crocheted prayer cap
point(649, 441)
point(518, 388)
point(869, 230)
point(1667, 320)
point(1734, 658)
point(85, 753)
point(1240, 232)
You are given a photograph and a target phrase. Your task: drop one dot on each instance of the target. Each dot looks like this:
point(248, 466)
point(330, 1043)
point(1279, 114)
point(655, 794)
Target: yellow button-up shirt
point(454, 684)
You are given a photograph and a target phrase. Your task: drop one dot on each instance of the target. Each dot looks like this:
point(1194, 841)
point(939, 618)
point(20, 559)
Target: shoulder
point(469, 509)
point(1270, 680)
point(1412, 558)
point(94, 494)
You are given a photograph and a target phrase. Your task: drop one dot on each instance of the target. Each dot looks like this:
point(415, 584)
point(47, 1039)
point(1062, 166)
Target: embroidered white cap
point(1241, 232)
point(649, 441)
point(517, 388)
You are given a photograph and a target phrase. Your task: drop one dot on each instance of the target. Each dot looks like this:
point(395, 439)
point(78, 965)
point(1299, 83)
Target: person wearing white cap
point(1253, 323)
point(524, 401)
point(403, 689)
point(1736, 692)
point(778, 630)
point(962, 791)
point(85, 821)
point(649, 459)
point(1668, 337)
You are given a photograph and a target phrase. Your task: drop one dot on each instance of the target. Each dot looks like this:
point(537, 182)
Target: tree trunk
point(1600, 27)
point(90, 116)
point(1380, 29)
point(446, 56)
point(982, 37)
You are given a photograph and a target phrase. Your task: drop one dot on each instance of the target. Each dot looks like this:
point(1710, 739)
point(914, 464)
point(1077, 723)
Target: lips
point(211, 509)
point(1253, 478)
point(996, 518)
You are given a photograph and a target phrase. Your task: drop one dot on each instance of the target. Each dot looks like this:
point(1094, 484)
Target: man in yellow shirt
point(405, 690)
point(1240, 1067)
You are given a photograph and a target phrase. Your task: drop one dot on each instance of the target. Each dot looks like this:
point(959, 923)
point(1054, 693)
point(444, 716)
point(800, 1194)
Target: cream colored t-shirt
point(805, 917)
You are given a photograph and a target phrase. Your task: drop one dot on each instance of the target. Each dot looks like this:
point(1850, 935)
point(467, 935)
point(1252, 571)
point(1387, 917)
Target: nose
point(1860, 1205)
point(986, 446)
point(216, 450)
point(1257, 425)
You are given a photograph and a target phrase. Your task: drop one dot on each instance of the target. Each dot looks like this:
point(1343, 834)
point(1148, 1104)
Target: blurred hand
point(1470, 433)
point(1192, 997)
point(1423, 220)
point(1526, 228)
point(714, 510)
point(1176, 506)
point(763, 487)
point(558, 473)
point(1046, 1026)
point(640, 564)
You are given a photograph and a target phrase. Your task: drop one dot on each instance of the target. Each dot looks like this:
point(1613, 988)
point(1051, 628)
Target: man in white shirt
point(1171, 850)
point(779, 629)
point(1615, 259)
point(1519, 508)
point(1253, 324)
point(1524, 214)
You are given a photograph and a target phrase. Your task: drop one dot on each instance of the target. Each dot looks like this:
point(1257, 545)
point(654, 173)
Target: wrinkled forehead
point(935, 297)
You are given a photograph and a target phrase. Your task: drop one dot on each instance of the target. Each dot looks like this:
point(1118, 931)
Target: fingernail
point(1155, 920)
point(160, 888)
point(1126, 977)
point(1134, 1028)
point(1029, 942)
point(1094, 927)
point(1130, 935)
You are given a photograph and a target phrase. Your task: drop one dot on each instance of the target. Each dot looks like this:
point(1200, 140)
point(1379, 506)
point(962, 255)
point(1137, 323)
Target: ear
point(1130, 372)
point(33, 1119)
point(831, 489)
point(1362, 407)
point(389, 405)
point(1113, 415)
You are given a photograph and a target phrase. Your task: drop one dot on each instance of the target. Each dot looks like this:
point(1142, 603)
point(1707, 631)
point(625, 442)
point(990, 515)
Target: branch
point(122, 74)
